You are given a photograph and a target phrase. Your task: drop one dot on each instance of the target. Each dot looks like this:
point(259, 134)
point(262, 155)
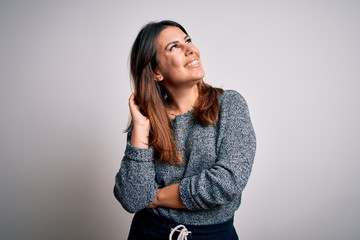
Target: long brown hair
point(151, 96)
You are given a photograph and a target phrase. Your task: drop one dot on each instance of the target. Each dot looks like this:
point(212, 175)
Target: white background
point(63, 98)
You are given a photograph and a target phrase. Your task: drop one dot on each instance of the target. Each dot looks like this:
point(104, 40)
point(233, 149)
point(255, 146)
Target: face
point(179, 59)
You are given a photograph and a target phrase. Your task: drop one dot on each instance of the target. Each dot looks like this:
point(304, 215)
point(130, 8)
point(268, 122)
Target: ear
point(158, 76)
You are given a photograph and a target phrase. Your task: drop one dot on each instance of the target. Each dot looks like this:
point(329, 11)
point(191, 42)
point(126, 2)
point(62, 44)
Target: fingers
point(136, 114)
point(132, 103)
point(134, 107)
point(132, 99)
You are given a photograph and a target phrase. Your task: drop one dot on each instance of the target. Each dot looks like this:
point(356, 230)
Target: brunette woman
point(190, 147)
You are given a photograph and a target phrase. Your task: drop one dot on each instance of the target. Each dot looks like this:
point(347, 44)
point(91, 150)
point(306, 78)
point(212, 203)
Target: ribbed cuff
point(139, 154)
point(186, 197)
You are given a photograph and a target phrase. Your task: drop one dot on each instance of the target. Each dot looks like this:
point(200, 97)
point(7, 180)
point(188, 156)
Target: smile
point(192, 63)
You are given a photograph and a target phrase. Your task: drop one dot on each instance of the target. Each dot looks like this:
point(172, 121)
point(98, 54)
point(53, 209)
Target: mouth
point(193, 63)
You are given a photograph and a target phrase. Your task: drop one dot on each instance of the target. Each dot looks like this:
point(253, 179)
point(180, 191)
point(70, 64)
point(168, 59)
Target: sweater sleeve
point(236, 151)
point(135, 186)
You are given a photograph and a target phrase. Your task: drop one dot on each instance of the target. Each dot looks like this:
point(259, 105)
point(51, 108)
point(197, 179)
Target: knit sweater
point(217, 165)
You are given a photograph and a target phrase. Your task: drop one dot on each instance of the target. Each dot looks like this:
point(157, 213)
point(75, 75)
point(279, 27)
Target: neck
point(182, 100)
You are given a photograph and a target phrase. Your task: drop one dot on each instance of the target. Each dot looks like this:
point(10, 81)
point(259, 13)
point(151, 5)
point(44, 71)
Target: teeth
point(193, 63)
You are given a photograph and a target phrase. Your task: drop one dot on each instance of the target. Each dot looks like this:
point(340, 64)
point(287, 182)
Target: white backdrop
point(63, 97)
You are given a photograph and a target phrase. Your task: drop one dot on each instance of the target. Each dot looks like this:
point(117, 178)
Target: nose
point(189, 50)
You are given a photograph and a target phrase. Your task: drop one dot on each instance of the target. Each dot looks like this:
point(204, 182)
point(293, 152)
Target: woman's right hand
point(141, 125)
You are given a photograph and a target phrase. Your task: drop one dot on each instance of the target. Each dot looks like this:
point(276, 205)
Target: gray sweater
point(218, 161)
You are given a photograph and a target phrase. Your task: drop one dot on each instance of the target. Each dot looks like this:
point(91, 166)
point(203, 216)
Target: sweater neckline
point(182, 116)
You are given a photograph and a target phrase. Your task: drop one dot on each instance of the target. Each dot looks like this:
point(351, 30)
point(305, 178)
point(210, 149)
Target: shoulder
point(232, 99)
point(234, 113)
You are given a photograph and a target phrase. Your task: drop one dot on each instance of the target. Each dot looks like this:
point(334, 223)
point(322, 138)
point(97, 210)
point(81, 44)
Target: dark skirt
point(146, 225)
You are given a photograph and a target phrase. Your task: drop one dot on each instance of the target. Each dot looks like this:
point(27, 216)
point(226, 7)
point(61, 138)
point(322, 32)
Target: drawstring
point(183, 232)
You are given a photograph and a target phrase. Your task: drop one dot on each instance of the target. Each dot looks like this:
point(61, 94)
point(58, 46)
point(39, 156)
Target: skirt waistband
point(163, 222)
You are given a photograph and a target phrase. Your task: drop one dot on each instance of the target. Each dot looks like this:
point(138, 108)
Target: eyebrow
point(167, 45)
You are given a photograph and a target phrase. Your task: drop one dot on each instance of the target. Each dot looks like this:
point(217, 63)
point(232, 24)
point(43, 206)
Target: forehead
point(170, 34)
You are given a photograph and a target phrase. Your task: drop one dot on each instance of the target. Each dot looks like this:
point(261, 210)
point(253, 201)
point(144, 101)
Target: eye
point(174, 46)
point(188, 40)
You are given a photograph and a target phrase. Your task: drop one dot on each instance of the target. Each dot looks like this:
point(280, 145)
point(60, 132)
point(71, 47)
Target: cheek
point(176, 61)
point(173, 64)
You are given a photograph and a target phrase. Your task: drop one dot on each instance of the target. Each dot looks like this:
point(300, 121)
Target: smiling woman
point(190, 146)
point(179, 59)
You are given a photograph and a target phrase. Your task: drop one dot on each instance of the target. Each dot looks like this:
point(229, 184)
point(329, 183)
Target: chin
point(200, 74)
point(201, 77)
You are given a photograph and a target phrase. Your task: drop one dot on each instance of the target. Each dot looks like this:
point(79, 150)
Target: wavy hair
point(151, 96)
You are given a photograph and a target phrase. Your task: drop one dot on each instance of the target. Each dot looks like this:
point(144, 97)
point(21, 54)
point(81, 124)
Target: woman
point(190, 146)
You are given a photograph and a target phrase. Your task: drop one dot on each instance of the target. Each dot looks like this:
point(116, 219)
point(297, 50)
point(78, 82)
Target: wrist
point(142, 124)
point(140, 136)
point(169, 196)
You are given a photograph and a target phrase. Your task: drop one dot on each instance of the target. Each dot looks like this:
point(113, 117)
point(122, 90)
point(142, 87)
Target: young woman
point(190, 146)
